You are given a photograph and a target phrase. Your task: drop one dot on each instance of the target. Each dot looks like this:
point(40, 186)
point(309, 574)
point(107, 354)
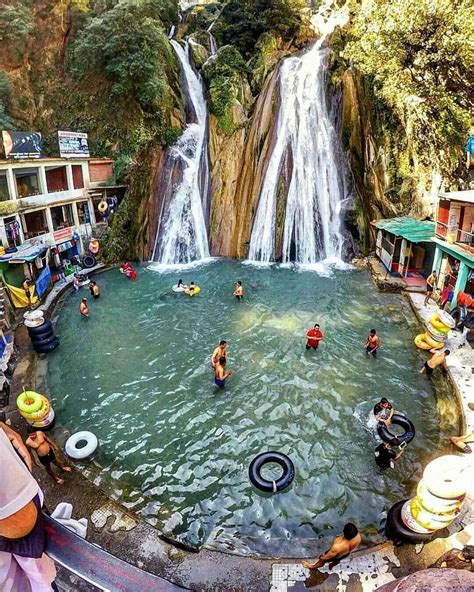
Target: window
point(83, 212)
point(4, 195)
point(62, 217)
point(56, 179)
point(26, 182)
point(12, 230)
point(77, 177)
point(35, 223)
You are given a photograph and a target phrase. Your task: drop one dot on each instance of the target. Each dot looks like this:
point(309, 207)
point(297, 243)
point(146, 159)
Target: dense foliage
point(243, 21)
point(16, 24)
point(418, 55)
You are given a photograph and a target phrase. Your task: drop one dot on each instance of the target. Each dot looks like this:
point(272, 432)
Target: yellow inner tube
point(438, 324)
point(41, 413)
point(103, 206)
point(29, 401)
point(420, 342)
point(432, 342)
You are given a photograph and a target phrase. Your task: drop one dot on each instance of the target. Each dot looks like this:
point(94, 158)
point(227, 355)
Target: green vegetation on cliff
point(417, 55)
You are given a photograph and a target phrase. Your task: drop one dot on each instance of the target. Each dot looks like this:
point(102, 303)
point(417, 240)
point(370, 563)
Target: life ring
point(397, 531)
point(29, 401)
point(41, 413)
point(32, 323)
point(45, 348)
point(43, 338)
point(420, 342)
point(387, 436)
point(177, 288)
point(436, 336)
point(446, 319)
point(437, 332)
point(94, 246)
point(103, 206)
point(265, 484)
point(432, 342)
point(79, 453)
point(438, 325)
point(196, 291)
point(11, 249)
point(43, 424)
point(42, 329)
point(34, 315)
point(88, 261)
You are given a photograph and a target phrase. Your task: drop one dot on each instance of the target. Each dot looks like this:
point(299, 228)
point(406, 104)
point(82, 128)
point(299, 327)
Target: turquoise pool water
point(173, 448)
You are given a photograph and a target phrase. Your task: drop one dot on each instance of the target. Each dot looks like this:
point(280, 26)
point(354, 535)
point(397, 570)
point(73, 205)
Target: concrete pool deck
point(122, 533)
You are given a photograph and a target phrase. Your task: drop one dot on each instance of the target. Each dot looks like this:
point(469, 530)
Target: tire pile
point(41, 332)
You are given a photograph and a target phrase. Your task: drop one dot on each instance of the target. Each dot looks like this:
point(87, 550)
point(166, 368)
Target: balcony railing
point(462, 237)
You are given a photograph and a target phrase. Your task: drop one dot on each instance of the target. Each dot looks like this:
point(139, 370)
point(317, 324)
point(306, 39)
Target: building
point(454, 241)
point(50, 206)
point(404, 245)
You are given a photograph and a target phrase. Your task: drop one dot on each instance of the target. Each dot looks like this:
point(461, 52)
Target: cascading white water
point(182, 231)
point(306, 137)
point(212, 42)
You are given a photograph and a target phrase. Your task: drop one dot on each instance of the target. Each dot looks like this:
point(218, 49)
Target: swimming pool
point(176, 450)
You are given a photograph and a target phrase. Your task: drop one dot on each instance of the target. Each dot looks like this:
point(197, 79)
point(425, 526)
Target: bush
point(16, 23)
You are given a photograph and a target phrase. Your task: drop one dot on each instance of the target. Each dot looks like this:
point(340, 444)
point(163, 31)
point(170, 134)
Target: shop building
point(454, 241)
point(48, 200)
point(405, 247)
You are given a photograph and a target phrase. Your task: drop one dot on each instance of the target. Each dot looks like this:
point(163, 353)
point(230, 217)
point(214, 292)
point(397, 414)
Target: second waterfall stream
point(306, 137)
point(182, 230)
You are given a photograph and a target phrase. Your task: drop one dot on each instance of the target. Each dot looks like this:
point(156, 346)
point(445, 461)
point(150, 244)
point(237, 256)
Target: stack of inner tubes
point(41, 333)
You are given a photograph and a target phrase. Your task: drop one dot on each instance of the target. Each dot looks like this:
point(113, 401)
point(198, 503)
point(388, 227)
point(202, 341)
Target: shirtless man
point(430, 286)
point(438, 359)
point(220, 373)
point(219, 352)
point(341, 546)
point(94, 289)
point(373, 343)
point(83, 308)
point(44, 448)
point(239, 290)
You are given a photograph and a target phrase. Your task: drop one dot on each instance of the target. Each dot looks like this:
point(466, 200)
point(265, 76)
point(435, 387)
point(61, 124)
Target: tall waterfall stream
point(306, 134)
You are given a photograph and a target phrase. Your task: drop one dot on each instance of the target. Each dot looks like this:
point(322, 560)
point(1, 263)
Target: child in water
point(239, 290)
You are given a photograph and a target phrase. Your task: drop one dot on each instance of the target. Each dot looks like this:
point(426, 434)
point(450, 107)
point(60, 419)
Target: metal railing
point(463, 237)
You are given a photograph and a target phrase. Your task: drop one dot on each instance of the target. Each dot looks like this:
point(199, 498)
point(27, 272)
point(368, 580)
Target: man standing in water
point(438, 359)
point(94, 289)
point(219, 352)
point(83, 308)
point(220, 374)
point(341, 546)
point(239, 290)
point(314, 336)
point(385, 455)
point(373, 343)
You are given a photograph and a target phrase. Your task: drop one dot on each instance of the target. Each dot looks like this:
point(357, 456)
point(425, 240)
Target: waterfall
point(212, 42)
point(308, 145)
point(184, 188)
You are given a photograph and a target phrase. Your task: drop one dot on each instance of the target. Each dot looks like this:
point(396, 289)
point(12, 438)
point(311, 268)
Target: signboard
point(22, 144)
point(73, 145)
point(64, 234)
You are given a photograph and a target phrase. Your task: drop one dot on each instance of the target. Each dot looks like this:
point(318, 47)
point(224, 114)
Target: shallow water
point(175, 449)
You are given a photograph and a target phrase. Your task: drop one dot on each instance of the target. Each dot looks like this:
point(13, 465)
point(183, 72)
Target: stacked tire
point(437, 331)
point(41, 332)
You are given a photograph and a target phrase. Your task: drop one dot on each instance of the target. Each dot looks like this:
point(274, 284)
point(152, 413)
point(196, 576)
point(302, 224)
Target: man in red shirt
point(314, 336)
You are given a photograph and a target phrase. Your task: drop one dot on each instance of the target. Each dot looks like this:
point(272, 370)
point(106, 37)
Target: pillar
point(11, 184)
point(43, 185)
point(3, 234)
point(70, 179)
point(461, 281)
point(49, 220)
point(20, 226)
point(437, 259)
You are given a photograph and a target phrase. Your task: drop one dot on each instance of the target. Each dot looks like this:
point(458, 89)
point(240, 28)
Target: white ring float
point(79, 453)
point(177, 288)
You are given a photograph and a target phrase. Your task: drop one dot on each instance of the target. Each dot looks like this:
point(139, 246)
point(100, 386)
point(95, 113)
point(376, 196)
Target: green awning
point(415, 231)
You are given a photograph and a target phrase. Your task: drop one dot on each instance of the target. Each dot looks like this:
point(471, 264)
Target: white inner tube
point(78, 453)
point(34, 322)
point(33, 315)
point(177, 288)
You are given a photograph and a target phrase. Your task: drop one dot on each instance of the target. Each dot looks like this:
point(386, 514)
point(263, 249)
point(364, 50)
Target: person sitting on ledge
point(341, 546)
point(462, 442)
point(437, 359)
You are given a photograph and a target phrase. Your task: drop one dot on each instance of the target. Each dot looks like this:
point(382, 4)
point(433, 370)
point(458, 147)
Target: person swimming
point(373, 343)
point(219, 352)
point(220, 374)
point(239, 290)
point(189, 290)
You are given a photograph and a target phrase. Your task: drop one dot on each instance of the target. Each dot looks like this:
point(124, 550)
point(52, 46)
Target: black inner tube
point(387, 436)
point(255, 471)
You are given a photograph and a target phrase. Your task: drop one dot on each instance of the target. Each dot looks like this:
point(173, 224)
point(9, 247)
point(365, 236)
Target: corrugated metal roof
point(415, 231)
point(465, 196)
